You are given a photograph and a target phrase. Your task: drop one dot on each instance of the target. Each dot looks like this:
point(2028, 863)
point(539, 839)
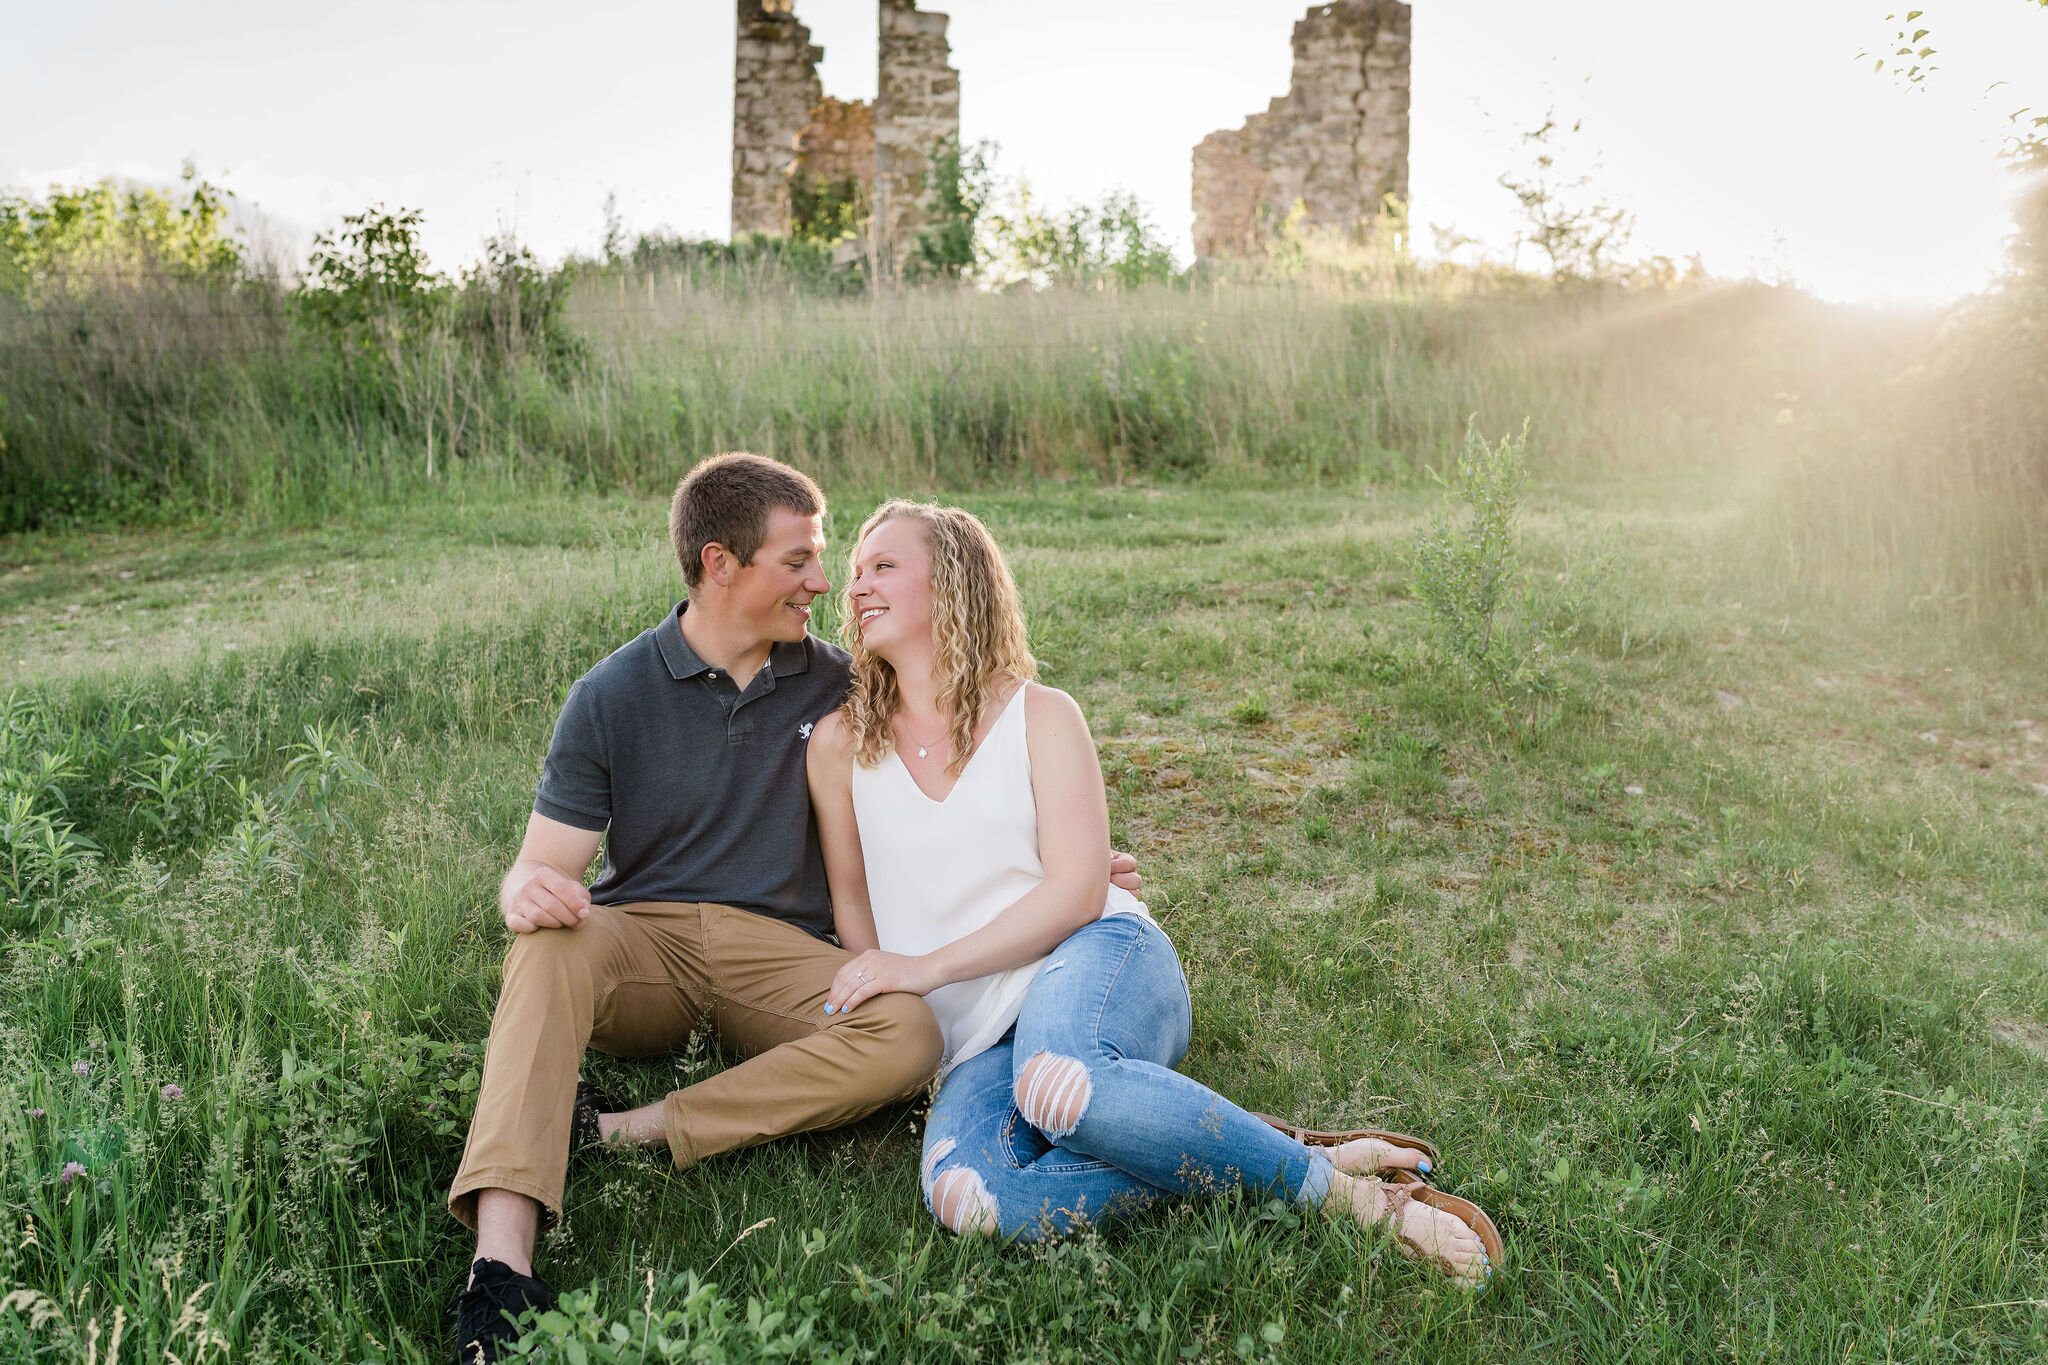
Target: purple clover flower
point(71, 1168)
point(174, 1092)
point(81, 1068)
point(35, 1113)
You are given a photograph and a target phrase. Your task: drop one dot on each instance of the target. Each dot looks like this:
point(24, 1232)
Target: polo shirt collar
point(790, 656)
point(784, 656)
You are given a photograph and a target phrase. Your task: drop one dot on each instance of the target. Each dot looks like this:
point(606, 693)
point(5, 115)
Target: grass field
point(1721, 976)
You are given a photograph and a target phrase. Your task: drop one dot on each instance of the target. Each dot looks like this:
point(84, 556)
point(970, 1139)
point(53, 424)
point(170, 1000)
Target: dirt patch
point(2022, 1033)
point(1902, 690)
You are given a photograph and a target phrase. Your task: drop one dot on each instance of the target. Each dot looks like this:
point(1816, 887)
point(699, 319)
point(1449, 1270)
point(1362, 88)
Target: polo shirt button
point(713, 675)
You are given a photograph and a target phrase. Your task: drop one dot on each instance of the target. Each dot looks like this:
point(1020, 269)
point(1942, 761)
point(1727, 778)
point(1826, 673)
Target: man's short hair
point(726, 499)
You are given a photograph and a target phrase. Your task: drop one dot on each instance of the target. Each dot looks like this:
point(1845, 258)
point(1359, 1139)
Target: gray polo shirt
point(699, 786)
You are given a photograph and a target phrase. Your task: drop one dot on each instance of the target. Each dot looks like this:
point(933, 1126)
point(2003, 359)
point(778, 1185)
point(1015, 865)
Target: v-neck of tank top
point(1016, 698)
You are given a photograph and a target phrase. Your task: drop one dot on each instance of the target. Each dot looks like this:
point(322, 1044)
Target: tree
point(962, 184)
point(372, 273)
point(1910, 62)
point(79, 237)
point(1577, 231)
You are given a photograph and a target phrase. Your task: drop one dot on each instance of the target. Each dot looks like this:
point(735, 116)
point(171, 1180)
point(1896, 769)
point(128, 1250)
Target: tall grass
point(1899, 456)
point(223, 399)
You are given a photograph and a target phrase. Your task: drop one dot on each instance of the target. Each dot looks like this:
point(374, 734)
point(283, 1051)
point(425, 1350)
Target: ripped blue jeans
point(1077, 1117)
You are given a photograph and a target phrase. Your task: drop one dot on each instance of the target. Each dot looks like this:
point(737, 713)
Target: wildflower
point(81, 1068)
point(35, 1113)
point(174, 1092)
point(96, 1045)
point(71, 1168)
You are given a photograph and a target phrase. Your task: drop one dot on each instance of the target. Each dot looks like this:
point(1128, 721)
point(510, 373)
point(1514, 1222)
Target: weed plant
point(1465, 575)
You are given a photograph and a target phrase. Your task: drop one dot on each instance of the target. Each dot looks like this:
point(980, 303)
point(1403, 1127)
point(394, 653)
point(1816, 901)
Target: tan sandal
point(1317, 1137)
point(1402, 1186)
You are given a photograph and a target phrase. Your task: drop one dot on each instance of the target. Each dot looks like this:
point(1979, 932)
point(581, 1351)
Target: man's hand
point(537, 896)
point(875, 971)
point(544, 889)
point(1123, 871)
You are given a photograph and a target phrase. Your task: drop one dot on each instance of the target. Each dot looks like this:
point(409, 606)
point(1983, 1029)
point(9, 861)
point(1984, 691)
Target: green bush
point(826, 210)
point(949, 247)
point(152, 391)
point(1469, 576)
point(81, 240)
point(1113, 243)
point(752, 265)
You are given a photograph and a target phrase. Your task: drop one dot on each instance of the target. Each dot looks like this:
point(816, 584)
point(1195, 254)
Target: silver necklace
point(922, 749)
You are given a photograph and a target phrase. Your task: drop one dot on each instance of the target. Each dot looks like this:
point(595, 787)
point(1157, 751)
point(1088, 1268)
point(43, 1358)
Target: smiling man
point(683, 752)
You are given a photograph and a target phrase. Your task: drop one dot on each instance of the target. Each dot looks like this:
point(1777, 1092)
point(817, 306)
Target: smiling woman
point(973, 877)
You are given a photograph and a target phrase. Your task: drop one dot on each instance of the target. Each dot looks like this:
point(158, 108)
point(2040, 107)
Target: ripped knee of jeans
point(940, 1150)
point(961, 1200)
point(1053, 1093)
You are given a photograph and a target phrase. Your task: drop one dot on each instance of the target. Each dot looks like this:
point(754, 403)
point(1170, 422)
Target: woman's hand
point(875, 971)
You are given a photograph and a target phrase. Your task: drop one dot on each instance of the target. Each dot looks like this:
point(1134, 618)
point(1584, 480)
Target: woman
point(966, 838)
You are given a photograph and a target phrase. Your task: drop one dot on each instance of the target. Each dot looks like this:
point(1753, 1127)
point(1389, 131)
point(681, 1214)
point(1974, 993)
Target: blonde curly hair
point(978, 636)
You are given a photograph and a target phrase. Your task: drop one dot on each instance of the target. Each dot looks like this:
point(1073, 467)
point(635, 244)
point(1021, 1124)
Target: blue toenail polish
point(1423, 1166)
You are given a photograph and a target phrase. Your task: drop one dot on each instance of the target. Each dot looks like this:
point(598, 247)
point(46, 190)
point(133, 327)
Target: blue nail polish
point(828, 1009)
point(1423, 1166)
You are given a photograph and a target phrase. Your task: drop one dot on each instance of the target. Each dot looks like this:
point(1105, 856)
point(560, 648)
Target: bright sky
point(1743, 131)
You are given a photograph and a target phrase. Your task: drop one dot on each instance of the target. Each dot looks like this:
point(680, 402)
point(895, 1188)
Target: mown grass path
point(1721, 979)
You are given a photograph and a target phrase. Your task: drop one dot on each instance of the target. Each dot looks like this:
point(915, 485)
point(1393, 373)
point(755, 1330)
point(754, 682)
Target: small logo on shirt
point(804, 731)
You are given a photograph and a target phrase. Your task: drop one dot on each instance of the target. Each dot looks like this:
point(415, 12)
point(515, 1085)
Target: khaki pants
point(635, 981)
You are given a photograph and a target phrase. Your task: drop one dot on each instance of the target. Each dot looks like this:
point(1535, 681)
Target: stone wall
point(1336, 143)
point(775, 87)
point(783, 122)
point(839, 140)
point(917, 110)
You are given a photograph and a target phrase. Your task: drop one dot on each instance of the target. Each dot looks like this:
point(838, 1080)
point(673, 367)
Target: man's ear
point(718, 563)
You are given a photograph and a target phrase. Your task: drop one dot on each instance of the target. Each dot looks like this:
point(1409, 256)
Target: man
point(683, 753)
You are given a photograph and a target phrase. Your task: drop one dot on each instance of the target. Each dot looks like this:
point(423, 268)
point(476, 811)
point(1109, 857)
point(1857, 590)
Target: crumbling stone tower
point(774, 88)
point(1336, 143)
point(917, 111)
point(784, 124)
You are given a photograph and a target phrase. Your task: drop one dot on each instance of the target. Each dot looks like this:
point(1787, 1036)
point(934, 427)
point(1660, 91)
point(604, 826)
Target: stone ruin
point(917, 112)
point(784, 125)
point(1336, 143)
point(774, 88)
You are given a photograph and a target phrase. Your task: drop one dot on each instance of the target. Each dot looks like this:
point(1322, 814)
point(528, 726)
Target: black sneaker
point(483, 1312)
point(583, 1129)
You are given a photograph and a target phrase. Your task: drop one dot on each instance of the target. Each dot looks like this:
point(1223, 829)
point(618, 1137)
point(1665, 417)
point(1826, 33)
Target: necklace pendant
point(920, 751)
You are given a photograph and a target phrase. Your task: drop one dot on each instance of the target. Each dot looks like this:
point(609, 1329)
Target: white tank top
point(939, 870)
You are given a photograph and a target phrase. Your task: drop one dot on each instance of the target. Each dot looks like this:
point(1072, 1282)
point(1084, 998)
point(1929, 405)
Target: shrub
point(1112, 243)
point(826, 210)
point(1466, 576)
point(962, 184)
point(80, 239)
